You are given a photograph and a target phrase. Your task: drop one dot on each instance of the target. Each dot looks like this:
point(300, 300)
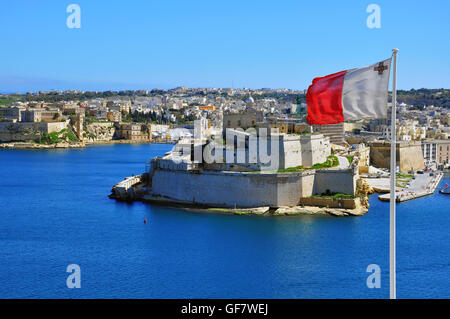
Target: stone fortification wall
point(229, 189)
point(24, 131)
point(243, 189)
point(335, 181)
point(408, 154)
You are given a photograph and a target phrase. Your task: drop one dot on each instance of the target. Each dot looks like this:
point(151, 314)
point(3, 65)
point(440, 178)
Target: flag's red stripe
point(323, 99)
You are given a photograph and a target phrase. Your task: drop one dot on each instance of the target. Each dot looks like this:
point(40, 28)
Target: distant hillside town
point(75, 118)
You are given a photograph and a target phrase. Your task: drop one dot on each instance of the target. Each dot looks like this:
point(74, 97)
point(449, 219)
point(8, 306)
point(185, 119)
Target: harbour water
point(55, 211)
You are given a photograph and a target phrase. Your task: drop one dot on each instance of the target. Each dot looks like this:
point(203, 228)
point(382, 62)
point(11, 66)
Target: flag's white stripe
point(365, 92)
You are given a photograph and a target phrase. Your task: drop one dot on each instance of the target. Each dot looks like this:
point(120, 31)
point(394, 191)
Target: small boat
point(445, 190)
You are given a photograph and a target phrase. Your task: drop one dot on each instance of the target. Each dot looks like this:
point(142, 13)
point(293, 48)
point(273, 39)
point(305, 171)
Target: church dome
point(250, 100)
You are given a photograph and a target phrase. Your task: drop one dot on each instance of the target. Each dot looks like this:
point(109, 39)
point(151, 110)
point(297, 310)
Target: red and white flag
point(349, 95)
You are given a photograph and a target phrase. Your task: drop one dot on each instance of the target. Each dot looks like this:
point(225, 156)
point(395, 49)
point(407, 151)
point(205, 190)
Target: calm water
point(55, 212)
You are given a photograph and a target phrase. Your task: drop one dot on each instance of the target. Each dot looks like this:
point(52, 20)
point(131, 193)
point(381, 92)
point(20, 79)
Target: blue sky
point(279, 44)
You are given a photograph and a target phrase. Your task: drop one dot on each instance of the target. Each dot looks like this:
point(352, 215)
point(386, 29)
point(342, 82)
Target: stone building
point(24, 131)
point(114, 116)
point(429, 149)
point(443, 151)
point(409, 155)
point(40, 115)
point(12, 114)
point(250, 117)
point(243, 120)
point(334, 131)
point(135, 131)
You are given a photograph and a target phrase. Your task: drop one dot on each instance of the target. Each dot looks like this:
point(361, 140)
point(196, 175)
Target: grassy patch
point(403, 180)
point(92, 119)
point(291, 169)
point(57, 137)
point(332, 161)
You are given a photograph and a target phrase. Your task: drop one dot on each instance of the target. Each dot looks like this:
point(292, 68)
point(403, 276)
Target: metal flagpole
point(392, 280)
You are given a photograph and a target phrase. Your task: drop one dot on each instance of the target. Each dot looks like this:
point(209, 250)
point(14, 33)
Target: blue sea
point(55, 211)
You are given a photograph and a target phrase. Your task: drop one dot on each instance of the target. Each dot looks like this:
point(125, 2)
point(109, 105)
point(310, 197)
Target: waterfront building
point(409, 155)
point(443, 151)
point(429, 149)
point(134, 131)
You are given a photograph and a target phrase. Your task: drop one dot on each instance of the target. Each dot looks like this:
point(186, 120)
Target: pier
point(130, 188)
point(422, 185)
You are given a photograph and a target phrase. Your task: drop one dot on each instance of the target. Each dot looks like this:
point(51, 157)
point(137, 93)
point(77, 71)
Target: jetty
point(423, 185)
point(130, 189)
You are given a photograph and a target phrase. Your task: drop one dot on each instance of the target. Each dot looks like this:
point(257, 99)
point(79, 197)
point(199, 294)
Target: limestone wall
point(335, 181)
point(99, 132)
point(411, 158)
point(408, 154)
point(24, 131)
point(315, 149)
point(227, 189)
point(348, 203)
point(290, 154)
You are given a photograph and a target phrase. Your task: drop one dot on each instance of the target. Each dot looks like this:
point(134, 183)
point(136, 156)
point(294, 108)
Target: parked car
point(420, 172)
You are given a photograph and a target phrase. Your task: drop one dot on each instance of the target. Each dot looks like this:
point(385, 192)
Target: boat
point(445, 190)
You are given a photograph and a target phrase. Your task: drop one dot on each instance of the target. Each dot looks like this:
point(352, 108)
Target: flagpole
point(392, 279)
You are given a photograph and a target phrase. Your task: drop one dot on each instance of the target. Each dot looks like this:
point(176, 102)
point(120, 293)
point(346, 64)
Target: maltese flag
point(349, 95)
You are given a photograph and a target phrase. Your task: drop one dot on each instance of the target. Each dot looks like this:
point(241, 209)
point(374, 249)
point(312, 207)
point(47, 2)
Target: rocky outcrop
point(95, 132)
point(363, 188)
point(312, 210)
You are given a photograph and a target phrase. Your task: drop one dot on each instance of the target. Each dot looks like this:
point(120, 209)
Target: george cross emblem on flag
point(380, 68)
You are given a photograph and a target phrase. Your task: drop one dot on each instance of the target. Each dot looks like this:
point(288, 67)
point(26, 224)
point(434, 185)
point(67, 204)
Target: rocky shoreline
point(25, 145)
point(263, 211)
point(133, 188)
point(294, 211)
point(280, 211)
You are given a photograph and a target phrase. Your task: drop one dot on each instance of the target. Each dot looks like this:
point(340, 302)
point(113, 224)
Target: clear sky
point(279, 44)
